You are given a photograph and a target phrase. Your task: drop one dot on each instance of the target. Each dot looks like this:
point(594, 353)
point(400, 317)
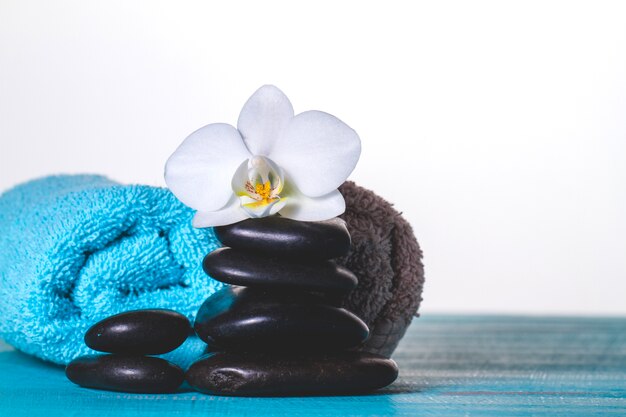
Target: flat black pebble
point(238, 267)
point(146, 332)
point(322, 240)
point(237, 318)
point(144, 374)
point(228, 373)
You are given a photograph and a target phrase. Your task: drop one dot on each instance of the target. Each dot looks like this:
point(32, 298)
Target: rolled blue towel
point(75, 249)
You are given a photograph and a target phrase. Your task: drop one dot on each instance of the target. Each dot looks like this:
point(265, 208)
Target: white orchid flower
point(274, 162)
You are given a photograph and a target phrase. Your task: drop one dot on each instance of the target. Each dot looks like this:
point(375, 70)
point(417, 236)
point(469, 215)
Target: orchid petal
point(255, 208)
point(230, 213)
point(238, 183)
point(303, 208)
point(263, 117)
point(200, 171)
point(318, 151)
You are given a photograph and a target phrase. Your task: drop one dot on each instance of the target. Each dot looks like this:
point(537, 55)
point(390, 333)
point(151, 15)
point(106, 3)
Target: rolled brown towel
point(387, 260)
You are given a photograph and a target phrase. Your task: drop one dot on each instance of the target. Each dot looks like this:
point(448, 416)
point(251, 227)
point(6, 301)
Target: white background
point(498, 128)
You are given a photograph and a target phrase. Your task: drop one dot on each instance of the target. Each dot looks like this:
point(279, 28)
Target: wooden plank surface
point(450, 366)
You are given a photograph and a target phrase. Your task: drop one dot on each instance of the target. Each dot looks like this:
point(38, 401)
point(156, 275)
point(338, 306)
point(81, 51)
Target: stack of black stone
point(130, 338)
point(279, 329)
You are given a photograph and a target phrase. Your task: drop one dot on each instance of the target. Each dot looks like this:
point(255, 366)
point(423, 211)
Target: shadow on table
point(17, 358)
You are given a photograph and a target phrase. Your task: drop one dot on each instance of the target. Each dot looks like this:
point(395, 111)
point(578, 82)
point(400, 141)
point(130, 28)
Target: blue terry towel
point(78, 248)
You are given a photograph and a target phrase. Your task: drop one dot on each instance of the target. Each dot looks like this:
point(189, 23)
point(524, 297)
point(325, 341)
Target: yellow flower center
point(262, 192)
point(259, 182)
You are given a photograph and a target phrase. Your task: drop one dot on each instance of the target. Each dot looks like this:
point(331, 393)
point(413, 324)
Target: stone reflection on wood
point(281, 330)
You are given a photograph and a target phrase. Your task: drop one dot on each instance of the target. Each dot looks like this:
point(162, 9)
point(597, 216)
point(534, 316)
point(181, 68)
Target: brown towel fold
point(386, 258)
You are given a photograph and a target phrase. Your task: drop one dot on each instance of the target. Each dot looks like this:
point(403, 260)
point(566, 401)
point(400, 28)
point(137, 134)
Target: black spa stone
point(228, 373)
point(244, 268)
point(145, 374)
point(237, 318)
point(278, 235)
point(146, 332)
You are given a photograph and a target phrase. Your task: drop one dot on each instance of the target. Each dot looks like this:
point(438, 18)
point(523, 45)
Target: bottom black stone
point(247, 374)
point(142, 374)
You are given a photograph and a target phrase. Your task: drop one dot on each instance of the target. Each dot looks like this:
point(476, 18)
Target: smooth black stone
point(228, 373)
point(238, 318)
point(145, 332)
point(125, 373)
point(278, 235)
point(248, 269)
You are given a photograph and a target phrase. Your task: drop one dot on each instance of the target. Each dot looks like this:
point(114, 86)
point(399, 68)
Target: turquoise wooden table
point(450, 366)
